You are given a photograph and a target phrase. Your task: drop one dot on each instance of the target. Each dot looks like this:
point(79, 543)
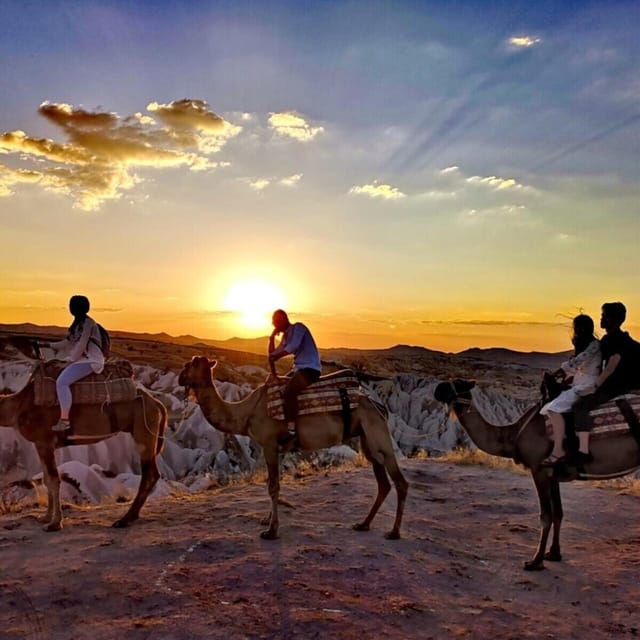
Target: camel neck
point(497, 440)
point(10, 408)
point(228, 417)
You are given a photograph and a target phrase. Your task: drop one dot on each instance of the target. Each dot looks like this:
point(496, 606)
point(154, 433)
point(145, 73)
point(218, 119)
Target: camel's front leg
point(53, 518)
point(543, 487)
point(273, 469)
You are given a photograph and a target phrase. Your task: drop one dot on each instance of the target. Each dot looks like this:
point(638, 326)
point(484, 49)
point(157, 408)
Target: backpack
point(105, 341)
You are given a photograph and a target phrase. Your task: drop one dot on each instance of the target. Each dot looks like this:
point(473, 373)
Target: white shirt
point(82, 346)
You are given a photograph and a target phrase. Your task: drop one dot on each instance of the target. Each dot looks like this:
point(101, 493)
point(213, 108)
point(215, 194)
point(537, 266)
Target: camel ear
point(213, 364)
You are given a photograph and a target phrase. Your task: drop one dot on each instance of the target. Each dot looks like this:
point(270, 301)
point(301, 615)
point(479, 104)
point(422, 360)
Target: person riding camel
point(621, 372)
point(82, 349)
point(298, 342)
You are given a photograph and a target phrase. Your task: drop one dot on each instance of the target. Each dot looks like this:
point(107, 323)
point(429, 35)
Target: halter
point(458, 399)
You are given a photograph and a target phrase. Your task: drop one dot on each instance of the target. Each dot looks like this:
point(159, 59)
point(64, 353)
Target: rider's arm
point(612, 363)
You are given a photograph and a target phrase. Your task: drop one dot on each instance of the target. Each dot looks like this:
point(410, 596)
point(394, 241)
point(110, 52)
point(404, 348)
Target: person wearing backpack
point(620, 372)
point(83, 349)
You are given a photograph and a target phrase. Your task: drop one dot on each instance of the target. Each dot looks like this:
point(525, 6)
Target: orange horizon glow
point(366, 331)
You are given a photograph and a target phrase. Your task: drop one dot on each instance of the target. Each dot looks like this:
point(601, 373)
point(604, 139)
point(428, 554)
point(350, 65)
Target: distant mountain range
point(259, 346)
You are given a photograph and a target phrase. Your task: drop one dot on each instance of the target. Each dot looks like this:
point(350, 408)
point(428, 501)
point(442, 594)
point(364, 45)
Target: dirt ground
point(195, 567)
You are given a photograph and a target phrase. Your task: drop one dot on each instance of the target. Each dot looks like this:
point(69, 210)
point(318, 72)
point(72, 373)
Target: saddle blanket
point(114, 384)
point(609, 421)
point(320, 397)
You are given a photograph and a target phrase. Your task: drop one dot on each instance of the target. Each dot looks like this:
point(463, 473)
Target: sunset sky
point(445, 174)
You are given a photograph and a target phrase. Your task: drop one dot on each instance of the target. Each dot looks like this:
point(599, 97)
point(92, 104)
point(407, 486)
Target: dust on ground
point(195, 567)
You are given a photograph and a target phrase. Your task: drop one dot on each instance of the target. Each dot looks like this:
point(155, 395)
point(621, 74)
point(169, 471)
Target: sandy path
point(196, 568)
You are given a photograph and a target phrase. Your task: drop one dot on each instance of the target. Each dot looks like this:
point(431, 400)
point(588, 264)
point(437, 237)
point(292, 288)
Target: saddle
point(114, 384)
point(323, 396)
point(616, 416)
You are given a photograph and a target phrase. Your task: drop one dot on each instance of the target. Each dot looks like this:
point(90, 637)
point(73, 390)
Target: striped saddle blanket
point(608, 420)
point(114, 384)
point(321, 397)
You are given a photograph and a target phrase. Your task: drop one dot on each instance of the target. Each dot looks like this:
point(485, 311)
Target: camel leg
point(543, 487)
point(554, 554)
point(273, 470)
point(402, 488)
point(53, 519)
point(384, 486)
point(150, 475)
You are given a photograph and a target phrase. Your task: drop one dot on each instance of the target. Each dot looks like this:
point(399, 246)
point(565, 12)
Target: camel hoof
point(392, 535)
point(120, 524)
point(534, 565)
point(553, 556)
point(361, 526)
point(269, 535)
point(52, 526)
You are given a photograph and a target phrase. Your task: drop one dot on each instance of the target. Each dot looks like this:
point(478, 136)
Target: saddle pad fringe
point(321, 397)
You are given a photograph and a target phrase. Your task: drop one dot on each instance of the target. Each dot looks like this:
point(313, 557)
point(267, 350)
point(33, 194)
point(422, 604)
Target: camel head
point(449, 392)
point(196, 373)
point(20, 347)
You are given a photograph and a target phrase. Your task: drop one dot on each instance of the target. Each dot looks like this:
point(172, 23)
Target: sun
point(253, 301)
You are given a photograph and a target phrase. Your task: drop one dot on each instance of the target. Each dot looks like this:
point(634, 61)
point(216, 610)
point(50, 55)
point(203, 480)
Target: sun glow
point(253, 301)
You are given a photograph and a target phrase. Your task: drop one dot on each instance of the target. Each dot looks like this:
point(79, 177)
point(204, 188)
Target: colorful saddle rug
point(114, 384)
point(608, 419)
point(321, 397)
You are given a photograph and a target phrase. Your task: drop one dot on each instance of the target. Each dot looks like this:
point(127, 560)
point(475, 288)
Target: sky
point(451, 175)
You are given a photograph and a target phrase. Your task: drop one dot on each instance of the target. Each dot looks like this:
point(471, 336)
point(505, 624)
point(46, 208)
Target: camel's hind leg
point(384, 486)
point(149, 423)
point(150, 475)
point(53, 519)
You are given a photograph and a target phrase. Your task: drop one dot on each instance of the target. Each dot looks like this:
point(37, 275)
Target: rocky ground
point(194, 567)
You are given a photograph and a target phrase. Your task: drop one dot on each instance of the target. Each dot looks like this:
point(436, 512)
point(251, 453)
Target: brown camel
point(318, 431)
point(144, 418)
point(527, 442)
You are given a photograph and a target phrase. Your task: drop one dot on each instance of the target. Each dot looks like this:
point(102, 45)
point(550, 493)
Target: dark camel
point(249, 417)
point(144, 418)
point(527, 442)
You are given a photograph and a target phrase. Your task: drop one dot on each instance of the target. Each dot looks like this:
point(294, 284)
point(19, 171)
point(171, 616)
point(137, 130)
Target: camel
point(526, 441)
point(145, 418)
point(317, 431)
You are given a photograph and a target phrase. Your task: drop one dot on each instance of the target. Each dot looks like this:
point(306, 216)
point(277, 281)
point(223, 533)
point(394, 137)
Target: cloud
point(260, 184)
point(103, 151)
point(292, 125)
point(495, 183)
point(490, 323)
point(449, 170)
point(375, 190)
point(523, 41)
point(291, 181)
